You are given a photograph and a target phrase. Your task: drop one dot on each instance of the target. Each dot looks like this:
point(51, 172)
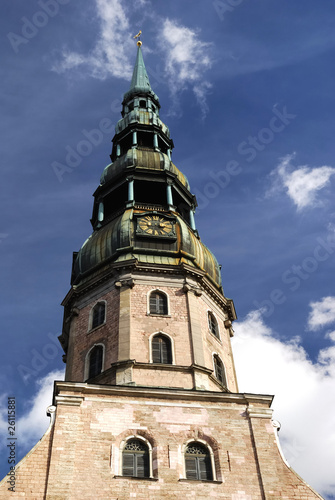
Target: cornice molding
point(112, 273)
point(259, 412)
point(80, 390)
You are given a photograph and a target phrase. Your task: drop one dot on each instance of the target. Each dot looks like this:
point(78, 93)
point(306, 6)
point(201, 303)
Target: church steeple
point(140, 80)
point(140, 94)
point(147, 288)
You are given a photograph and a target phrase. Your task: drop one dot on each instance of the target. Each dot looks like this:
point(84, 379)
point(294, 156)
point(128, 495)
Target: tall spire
point(140, 84)
point(140, 80)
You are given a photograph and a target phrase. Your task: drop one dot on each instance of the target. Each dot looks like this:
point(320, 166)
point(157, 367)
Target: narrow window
point(98, 314)
point(213, 325)
point(161, 349)
point(219, 370)
point(158, 303)
point(198, 462)
point(95, 361)
point(143, 104)
point(135, 459)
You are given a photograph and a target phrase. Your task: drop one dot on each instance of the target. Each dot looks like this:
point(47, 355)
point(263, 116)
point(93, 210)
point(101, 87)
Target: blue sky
point(247, 90)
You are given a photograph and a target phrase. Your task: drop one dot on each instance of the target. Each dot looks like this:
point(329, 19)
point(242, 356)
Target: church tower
point(146, 306)
point(150, 407)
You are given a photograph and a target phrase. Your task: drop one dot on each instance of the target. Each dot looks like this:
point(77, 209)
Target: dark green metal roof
point(140, 81)
point(117, 242)
point(142, 161)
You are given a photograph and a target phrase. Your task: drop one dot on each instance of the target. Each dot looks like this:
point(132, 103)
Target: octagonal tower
point(146, 306)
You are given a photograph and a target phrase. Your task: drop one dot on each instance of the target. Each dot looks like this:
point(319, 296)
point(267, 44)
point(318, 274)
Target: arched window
point(98, 314)
point(158, 303)
point(198, 463)
point(219, 370)
point(95, 361)
point(213, 325)
point(135, 459)
point(161, 349)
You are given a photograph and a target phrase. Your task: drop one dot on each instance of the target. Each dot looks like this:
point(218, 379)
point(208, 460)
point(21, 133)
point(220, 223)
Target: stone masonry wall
point(82, 339)
point(88, 439)
point(138, 328)
point(31, 474)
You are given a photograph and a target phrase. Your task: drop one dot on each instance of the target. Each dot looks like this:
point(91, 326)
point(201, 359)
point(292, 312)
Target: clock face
point(155, 225)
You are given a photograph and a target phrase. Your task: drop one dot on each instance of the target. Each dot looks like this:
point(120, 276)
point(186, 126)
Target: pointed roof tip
point(140, 83)
point(140, 79)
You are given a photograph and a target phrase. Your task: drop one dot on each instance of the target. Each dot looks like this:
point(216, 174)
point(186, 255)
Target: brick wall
point(31, 474)
point(93, 423)
point(82, 339)
point(128, 329)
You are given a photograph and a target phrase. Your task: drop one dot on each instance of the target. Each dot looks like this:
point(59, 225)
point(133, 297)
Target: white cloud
point(331, 336)
point(70, 60)
point(35, 422)
point(3, 415)
point(110, 55)
point(187, 59)
point(304, 396)
point(322, 313)
point(302, 184)
point(327, 358)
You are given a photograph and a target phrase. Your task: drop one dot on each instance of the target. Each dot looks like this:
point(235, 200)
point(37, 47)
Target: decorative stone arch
point(171, 343)
point(216, 355)
point(158, 290)
point(87, 359)
point(212, 315)
point(210, 450)
point(119, 445)
point(90, 319)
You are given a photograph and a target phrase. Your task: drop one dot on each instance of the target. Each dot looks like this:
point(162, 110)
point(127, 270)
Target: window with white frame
point(136, 459)
point(161, 349)
point(98, 315)
point(198, 463)
point(219, 370)
point(158, 303)
point(213, 325)
point(95, 359)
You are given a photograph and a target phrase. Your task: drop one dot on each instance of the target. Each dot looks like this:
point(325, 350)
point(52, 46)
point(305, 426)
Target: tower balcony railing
point(135, 205)
point(151, 207)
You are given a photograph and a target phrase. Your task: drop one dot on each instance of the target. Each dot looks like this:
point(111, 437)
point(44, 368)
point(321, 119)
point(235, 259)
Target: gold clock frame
point(155, 225)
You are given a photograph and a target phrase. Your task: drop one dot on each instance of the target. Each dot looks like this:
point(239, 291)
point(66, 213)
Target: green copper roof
point(140, 80)
point(117, 242)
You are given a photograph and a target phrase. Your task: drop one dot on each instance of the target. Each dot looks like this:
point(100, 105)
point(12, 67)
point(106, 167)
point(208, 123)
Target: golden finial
point(139, 43)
